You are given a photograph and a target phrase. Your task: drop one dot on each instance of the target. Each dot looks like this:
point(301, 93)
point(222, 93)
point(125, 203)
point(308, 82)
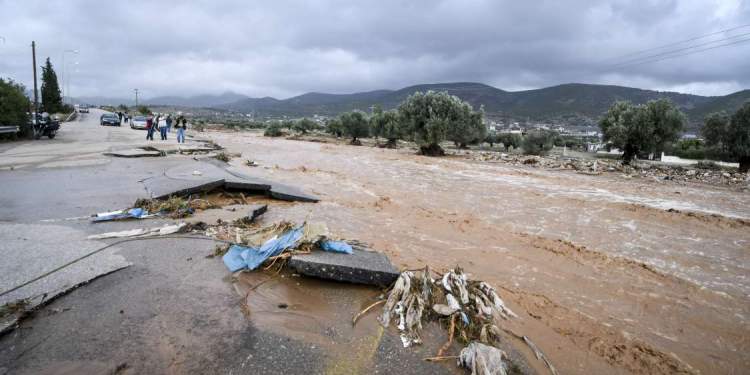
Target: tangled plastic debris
point(416, 296)
point(256, 247)
point(482, 359)
point(141, 232)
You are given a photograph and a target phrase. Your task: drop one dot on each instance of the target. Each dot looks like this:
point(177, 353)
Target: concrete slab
point(134, 153)
point(161, 187)
point(361, 267)
point(197, 176)
point(31, 250)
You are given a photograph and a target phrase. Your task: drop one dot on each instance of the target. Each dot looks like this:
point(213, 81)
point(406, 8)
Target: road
point(170, 309)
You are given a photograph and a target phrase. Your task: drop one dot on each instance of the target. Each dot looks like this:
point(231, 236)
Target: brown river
point(611, 274)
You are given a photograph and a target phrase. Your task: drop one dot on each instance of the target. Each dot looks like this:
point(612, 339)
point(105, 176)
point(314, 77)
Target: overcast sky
point(284, 48)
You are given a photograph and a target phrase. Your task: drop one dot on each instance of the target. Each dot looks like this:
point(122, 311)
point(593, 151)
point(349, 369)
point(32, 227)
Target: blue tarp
point(133, 213)
point(336, 246)
point(240, 257)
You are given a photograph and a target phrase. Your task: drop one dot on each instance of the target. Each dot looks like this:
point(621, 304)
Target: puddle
point(320, 313)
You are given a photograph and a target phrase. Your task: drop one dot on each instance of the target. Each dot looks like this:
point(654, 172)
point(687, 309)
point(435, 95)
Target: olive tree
point(641, 128)
point(731, 134)
point(355, 125)
point(715, 130)
point(386, 124)
point(538, 142)
point(334, 127)
point(468, 127)
point(432, 117)
point(304, 125)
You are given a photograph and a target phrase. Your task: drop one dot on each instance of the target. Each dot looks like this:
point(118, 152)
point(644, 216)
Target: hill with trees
point(570, 104)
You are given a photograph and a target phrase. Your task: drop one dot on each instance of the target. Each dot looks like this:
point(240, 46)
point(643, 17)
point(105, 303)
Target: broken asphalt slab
point(135, 153)
point(203, 176)
point(361, 267)
point(31, 250)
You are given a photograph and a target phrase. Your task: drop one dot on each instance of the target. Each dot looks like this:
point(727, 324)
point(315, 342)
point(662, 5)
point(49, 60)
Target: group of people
point(155, 123)
point(123, 116)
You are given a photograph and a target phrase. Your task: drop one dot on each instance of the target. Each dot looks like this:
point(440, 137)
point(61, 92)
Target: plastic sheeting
point(133, 213)
point(336, 246)
point(240, 257)
point(482, 359)
point(243, 257)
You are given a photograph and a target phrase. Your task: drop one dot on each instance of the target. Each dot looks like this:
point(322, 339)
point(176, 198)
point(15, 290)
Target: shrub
point(538, 142)
point(273, 130)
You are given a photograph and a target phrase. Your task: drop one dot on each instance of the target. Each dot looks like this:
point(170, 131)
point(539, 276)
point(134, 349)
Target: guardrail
point(71, 116)
point(9, 129)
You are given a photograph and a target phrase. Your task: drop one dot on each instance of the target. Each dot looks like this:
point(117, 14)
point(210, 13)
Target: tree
point(739, 137)
point(51, 99)
point(538, 142)
point(386, 124)
point(122, 108)
point(715, 130)
point(14, 105)
point(733, 135)
point(273, 130)
point(142, 109)
point(334, 127)
point(431, 117)
point(468, 127)
point(305, 125)
point(355, 125)
point(642, 128)
point(509, 139)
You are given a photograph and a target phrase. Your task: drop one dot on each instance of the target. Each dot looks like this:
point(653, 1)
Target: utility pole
point(36, 95)
point(136, 98)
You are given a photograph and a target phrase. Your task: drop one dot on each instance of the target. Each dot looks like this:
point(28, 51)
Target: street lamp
point(74, 51)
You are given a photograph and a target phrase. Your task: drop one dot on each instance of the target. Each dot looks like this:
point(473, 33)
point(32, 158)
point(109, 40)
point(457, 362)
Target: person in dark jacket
point(150, 128)
point(181, 125)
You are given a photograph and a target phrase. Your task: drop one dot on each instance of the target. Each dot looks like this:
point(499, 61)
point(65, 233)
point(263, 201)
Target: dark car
point(109, 119)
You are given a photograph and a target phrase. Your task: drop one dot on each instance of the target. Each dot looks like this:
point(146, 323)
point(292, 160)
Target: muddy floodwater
point(611, 274)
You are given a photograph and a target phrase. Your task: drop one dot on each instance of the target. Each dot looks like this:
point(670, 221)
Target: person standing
point(119, 116)
point(150, 128)
point(181, 125)
point(162, 128)
point(169, 123)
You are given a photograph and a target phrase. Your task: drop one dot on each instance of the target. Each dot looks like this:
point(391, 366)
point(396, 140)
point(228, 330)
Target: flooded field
point(611, 274)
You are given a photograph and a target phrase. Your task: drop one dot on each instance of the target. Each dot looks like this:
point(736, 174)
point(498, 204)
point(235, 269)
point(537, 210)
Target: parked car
point(138, 122)
point(109, 119)
point(83, 108)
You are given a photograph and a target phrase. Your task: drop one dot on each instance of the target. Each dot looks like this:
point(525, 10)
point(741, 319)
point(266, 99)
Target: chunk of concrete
point(256, 211)
point(134, 153)
point(162, 187)
point(181, 180)
point(361, 267)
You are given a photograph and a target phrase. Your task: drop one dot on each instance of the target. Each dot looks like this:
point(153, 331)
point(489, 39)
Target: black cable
point(104, 248)
point(638, 59)
point(680, 42)
point(690, 53)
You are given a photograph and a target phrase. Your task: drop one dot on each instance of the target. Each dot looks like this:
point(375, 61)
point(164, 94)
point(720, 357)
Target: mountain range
point(568, 104)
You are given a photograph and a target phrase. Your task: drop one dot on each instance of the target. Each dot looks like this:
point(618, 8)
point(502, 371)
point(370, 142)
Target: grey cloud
point(284, 48)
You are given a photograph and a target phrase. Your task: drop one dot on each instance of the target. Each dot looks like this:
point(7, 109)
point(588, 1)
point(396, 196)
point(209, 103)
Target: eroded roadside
point(609, 279)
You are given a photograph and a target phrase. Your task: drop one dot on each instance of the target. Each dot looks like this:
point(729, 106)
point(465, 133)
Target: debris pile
point(279, 241)
point(704, 173)
point(471, 309)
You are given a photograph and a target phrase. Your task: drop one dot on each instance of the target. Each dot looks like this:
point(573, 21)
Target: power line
point(628, 62)
point(692, 52)
point(680, 42)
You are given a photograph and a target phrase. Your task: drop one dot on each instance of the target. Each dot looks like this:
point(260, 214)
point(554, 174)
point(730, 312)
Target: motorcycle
point(45, 126)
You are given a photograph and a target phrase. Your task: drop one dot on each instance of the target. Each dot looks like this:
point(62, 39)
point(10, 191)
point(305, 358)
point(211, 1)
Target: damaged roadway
point(168, 303)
